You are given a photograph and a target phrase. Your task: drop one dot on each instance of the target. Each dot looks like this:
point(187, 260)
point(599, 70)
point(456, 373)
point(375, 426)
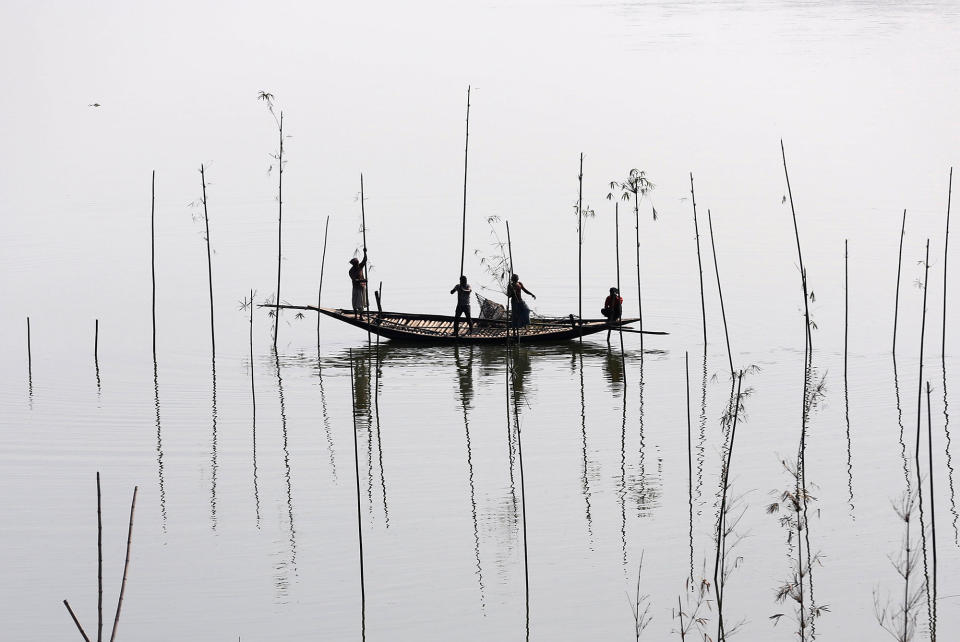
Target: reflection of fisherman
point(463, 291)
point(521, 313)
point(359, 299)
point(613, 306)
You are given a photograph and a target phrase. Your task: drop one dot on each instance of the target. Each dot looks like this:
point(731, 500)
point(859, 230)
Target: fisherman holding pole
point(359, 298)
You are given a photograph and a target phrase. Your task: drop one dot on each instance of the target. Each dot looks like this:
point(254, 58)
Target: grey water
point(246, 526)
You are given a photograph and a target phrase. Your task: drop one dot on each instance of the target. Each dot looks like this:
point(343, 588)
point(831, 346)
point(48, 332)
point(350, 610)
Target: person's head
point(614, 291)
point(463, 280)
point(515, 278)
point(354, 261)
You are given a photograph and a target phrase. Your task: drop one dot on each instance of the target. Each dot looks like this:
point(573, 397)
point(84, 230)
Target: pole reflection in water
point(903, 443)
point(585, 479)
point(282, 581)
point(516, 368)
point(946, 430)
point(465, 380)
point(326, 418)
point(253, 417)
point(622, 487)
point(156, 407)
point(356, 467)
point(702, 437)
point(213, 445)
point(376, 405)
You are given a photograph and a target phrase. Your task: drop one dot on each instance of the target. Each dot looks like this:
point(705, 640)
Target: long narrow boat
point(434, 328)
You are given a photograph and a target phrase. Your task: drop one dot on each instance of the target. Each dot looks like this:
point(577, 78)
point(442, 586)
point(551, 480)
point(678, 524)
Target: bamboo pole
point(923, 326)
point(206, 222)
point(510, 285)
point(323, 261)
point(29, 359)
point(580, 249)
point(896, 301)
point(153, 261)
point(846, 309)
point(96, 342)
point(636, 212)
point(276, 324)
point(363, 228)
point(946, 245)
point(76, 621)
point(356, 463)
point(696, 233)
point(616, 222)
point(723, 313)
point(126, 565)
point(466, 149)
point(99, 565)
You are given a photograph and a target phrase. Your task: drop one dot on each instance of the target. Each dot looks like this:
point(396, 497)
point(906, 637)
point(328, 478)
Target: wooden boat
point(433, 328)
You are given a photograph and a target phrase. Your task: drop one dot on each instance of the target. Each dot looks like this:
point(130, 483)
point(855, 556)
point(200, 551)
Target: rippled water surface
point(502, 493)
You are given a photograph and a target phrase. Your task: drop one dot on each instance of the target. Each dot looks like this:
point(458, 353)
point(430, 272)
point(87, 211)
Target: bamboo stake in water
point(206, 222)
point(616, 221)
point(126, 565)
point(323, 261)
point(923, 326)
point(696, 234)
point(896, 301)
point(76, 621)
point(933, 520)
point(363, 228)
point(356, 463)
point(466, 149)
point(29, 360)
point(946, 245)
point(580, 250)
point(723, 313)
point(276, 325)
point(99, 565)
point(510, 285)
point(153, 262)
point(96, 342)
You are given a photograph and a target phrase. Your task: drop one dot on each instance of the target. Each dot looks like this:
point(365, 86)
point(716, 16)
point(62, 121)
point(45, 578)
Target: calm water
point(246, 524)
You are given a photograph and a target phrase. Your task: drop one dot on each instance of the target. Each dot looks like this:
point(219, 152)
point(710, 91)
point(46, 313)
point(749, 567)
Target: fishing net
point(491, 309)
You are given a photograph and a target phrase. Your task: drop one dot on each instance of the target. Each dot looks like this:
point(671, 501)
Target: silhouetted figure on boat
point(613, 306)
point(521, 312)
point(463, 291)
point(359, 298)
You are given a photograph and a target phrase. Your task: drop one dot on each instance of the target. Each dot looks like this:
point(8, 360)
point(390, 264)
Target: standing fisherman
point(359, 298)
point(463, 291)
point(521, 312)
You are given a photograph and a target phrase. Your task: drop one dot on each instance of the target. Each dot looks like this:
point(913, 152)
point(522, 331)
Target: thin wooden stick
point(846, 308)
point(96, 358)
point(466, 149)
point(323, 261)
point(580, 248)
point(363, 228)
point(153, 262)
point(29, 357)
point(276, 324)
point(723, 313)
point(356, 463)
point(636, 212)
point(896, 301)
point(126, 565)
point(946, 245)
point(616, 221)
point(923, 326)
point(696, 234)
point(933, 520)
point(99, 565)
point(516, 330)
point(206, 222)
point(76, 621)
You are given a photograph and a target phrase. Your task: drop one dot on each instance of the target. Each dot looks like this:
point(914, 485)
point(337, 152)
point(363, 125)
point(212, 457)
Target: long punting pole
point(206, 222)
point(466, 149)
point(616, 235)
point(510, 283)
point(580, 245)
point(276, 319)
point(946, 244)
point(323, 260)
point(363, 227)
point(696, 233)
point(636, 213)
point(99, 565)
point(896, 301)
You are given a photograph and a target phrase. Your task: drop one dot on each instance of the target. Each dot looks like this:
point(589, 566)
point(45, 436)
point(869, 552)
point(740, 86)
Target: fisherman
point(521, 312)
point(463, 291)
point(359, 298)
point(613, 306)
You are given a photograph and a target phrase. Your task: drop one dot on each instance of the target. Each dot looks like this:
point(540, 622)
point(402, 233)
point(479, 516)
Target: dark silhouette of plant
point(900, 619)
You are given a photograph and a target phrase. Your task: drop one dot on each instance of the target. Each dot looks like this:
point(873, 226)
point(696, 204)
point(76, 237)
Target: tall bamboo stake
point(510, 285)
point(946, 245)
point(363, 228)
point(723, 313)
point(580, 249)
point(126, 565)
point(616, 224)
point(276, 324)
point(76, 621)
point(29, 358)
point(323, 260)
point(466, 149)
point(933, 520)
point(356, 463)
point(696, 233)
point(206, 222)
point(923, 326)
point(99, 565)
point(896, 301)
point(636, 212)
point(153, 262)
point(96, 342)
